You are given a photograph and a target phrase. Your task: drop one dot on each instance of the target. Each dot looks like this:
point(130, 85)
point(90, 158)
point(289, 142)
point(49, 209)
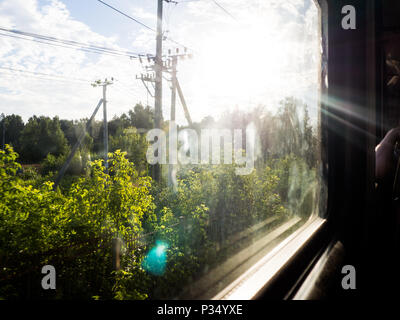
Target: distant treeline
point(47, 141)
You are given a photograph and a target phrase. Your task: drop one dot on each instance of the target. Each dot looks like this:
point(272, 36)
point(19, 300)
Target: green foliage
point(13, 126)
point(72, 231)
point(52, 164)
point(198, 219)
point(134, 144)
point(142, 117)
point(40, 137)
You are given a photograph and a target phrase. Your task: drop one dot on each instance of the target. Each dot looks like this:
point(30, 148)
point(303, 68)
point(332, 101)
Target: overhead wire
point(59, 45)
point(142, 24)
point(36, 73)
point(57, 42)
point(70, 44)
point(66, 43)
point(223, 9)
point(124, 14)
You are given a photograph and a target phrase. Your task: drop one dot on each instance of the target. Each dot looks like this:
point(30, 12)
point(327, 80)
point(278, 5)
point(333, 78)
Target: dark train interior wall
point(362, 104)
point(389, 40)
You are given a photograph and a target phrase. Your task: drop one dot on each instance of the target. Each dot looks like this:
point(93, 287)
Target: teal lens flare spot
point(156, 260)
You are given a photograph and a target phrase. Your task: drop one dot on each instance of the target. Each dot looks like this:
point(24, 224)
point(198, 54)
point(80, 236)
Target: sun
point(259, 61)
point(236, 67)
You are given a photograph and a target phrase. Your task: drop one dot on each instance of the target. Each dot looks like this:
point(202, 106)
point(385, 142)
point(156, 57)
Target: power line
point(129, 17)
point(44, 74)
point(38, 77)
point(67, 43)
point(60, 45)
point(67, 47)
point(141, 23)
point(123, 86)
point(223, 9)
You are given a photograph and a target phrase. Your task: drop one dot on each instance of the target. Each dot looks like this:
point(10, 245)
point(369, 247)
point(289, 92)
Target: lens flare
point(156, 260)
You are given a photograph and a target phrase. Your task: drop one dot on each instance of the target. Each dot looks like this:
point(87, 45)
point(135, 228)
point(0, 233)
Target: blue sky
point(107, 22)
point(269, 51)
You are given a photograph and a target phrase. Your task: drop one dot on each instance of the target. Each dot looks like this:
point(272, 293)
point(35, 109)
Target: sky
point(258, 53)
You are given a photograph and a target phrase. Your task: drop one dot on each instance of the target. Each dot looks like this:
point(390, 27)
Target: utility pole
point(158, 81)
point(104, 84)
point(155, 79)
point(174, 60)
point(4, 131)
point(103, 102)
point(105, 125)
point(173, 86)
point(171, 67)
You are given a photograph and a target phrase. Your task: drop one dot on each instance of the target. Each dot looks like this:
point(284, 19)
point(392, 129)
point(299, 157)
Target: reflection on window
point(181, 210)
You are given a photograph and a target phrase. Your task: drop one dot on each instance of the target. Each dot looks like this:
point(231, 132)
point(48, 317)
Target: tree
point(142, 117)
point(40, 137)
point(13, 128)
point(73, 230)
point(134, 144)
point(309, 141)
point(118, 124)
point(68, 127)
point(288, 134)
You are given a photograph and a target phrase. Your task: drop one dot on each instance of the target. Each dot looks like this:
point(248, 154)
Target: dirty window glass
point(136, 175)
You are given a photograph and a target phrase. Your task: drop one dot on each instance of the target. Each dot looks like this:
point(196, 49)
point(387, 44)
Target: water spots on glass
point(156, 260)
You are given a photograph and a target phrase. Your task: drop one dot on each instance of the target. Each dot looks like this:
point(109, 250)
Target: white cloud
point(69, 99)
point(142, 14)
point(267, 53)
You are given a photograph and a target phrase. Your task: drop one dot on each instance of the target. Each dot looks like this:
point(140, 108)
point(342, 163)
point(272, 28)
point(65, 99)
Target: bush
point(72, 231)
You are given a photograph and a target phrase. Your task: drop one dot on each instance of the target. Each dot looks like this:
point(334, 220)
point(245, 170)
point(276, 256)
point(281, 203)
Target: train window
point(218, 183)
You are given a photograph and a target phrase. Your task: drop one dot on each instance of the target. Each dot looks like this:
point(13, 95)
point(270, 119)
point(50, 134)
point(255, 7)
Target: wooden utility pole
point(171, 166)
point(103, 102)
point(158, 81)
point(104, 84)
point(173, 87)
point(171, 67)
point(105, 135)
point(4, 131)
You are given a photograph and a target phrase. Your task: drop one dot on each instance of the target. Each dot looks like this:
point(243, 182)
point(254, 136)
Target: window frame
point(349, 133)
